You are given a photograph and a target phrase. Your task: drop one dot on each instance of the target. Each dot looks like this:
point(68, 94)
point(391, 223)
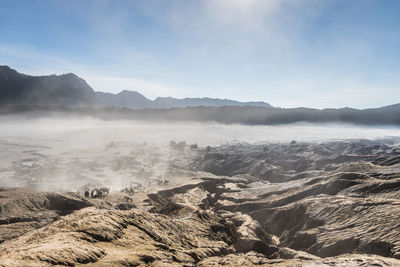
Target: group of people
point(97, 192)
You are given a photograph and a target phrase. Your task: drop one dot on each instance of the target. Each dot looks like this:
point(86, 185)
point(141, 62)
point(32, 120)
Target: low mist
point(66, 154)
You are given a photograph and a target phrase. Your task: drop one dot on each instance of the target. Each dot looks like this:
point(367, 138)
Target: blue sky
point(290, 53)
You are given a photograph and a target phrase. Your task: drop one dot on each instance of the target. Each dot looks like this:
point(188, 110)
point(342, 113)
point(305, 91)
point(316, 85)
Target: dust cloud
point(67, 153)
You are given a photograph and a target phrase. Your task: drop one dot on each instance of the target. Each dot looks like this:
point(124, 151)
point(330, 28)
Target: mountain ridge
point(71, 90)
point(139, 101)
point(26, 92)
point(65, 89)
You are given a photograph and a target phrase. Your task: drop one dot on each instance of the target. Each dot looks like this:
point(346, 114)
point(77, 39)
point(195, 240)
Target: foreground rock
point(333, 204)
point(23, 210)
point(108, 237)
point(254, 259)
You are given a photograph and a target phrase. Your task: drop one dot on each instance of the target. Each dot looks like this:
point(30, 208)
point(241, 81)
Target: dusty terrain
point(304, 203)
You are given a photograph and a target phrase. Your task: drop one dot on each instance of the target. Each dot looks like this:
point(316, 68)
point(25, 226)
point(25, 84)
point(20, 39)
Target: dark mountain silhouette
point(70, 90)
point(70, 94)
point(169, 102)
point(67, 89)
point(129, 99)
point(389, 115)
point(135, 100)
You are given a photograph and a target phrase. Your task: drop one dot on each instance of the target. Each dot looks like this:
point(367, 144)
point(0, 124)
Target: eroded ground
point(289, 204)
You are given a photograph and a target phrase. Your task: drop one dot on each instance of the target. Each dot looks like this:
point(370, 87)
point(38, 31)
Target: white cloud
point(115, 84)
point(247, 13)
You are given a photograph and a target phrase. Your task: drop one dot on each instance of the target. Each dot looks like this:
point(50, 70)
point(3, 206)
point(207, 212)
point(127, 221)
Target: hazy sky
point(315, 53)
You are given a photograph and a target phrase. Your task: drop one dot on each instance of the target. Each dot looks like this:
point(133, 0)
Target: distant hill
point(69, 94)
point(169, 102)
point(135, 100)
point(67, 89)
point(129, 99)
point(389, 115)
point(70, 90)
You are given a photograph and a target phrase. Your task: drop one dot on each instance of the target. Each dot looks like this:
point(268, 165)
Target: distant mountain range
point(69, 94)
point(133, 99)
point(70, 90)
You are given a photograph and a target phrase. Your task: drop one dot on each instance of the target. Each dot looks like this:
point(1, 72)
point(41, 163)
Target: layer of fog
point(65, 154)
point(88, 131)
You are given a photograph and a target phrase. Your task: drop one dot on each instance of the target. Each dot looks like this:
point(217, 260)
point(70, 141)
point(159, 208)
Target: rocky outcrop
point(336, 205)
point(127, 238)
point(23, 210)
point(254, 259)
